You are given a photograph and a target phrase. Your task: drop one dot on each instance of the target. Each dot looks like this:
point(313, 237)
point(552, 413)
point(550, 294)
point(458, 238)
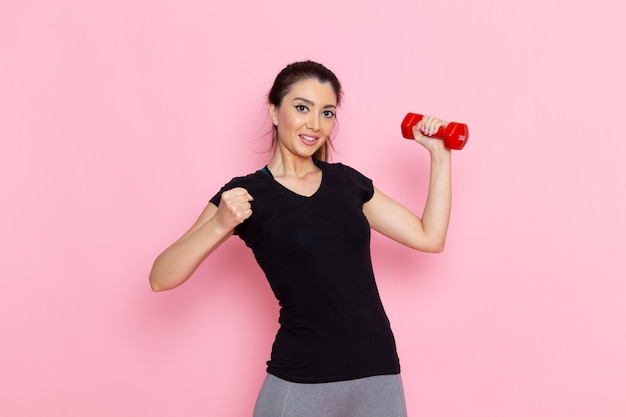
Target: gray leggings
point(376, 396)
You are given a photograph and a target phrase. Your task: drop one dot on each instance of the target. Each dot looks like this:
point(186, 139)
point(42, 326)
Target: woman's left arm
point(392, 219)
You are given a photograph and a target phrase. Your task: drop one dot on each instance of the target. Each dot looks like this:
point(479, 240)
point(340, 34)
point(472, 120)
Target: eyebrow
point(306, 100)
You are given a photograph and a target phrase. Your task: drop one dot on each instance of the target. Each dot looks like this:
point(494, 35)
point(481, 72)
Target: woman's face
point(305, 118)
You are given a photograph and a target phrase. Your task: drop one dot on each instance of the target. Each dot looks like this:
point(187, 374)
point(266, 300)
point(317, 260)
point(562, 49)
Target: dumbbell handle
point(454, 136)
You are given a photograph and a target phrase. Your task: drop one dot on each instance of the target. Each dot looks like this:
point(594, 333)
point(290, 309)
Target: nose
point(313, 122)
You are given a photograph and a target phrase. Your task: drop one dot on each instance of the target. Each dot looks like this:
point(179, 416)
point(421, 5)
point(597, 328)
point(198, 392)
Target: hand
point(426, 127)
point(234, 207)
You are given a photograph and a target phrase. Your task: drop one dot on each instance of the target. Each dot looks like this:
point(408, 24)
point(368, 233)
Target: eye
point(328, 113)
point(301, 108)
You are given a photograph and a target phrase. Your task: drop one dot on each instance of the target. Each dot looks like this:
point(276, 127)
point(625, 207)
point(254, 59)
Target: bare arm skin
point(216, 224)
point(395, 221)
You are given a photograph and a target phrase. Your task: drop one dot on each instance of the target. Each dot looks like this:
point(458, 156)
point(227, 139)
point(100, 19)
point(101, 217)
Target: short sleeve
point(233, 183)
point(362, 183)
point(217, 198)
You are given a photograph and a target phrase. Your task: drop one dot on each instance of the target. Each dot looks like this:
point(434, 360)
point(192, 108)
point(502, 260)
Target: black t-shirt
point(315, 252)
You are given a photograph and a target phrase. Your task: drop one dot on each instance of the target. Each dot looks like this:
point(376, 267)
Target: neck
point(290, 165)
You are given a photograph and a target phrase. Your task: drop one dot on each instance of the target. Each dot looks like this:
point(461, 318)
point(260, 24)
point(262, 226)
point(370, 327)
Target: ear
point(273, 111)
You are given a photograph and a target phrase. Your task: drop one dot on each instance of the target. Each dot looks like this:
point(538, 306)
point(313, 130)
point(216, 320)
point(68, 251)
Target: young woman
point(308, 224)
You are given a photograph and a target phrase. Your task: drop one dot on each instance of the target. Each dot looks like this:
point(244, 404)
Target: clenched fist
point(234, 207)
point(427, 127)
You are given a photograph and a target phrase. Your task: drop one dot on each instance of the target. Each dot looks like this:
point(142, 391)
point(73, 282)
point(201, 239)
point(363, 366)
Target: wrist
point(440, 155)
point(216, 227)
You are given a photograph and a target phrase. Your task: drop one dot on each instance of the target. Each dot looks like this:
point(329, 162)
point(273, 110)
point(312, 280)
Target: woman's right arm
point(215, 224)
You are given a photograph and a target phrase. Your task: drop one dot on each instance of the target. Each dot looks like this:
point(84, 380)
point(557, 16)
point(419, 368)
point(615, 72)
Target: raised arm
point(179, 261)
point(428, 232)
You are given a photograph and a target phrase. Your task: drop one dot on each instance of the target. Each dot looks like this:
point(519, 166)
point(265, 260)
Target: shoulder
point(252, 179)
point(252, 182)
point(337, 169)
point(346, 176)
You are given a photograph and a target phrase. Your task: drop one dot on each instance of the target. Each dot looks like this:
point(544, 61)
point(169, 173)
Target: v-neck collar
point(265, 170)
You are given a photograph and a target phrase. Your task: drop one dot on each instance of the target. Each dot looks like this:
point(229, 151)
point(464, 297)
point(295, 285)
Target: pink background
point(119, 119)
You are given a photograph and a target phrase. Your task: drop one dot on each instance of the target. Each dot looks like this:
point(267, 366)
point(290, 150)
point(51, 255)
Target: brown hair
point(294, 73)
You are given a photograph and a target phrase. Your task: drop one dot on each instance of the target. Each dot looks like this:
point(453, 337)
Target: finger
point(237, 208)
point(430, 125)
point(240, 201)
point(243, 206)
point(236, 193)
point(242, 213)
point(246, 194)
point(417, 130)
point(246, 214)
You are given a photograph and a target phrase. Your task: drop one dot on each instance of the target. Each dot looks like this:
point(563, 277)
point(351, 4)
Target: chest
point(305, 186)
point(294, 224)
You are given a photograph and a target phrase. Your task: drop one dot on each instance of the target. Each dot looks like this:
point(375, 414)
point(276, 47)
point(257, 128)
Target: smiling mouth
point(308, 138)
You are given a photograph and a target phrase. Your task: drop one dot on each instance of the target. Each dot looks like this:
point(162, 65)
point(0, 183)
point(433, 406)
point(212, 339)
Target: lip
point(309, 140)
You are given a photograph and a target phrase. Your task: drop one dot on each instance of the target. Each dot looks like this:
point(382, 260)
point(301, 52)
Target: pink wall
point(119, 119)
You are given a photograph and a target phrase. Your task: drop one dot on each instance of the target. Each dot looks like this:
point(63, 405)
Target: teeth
point(307, 138)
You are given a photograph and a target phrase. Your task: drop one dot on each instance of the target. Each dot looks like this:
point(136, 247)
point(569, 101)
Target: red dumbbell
point(454, 136)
